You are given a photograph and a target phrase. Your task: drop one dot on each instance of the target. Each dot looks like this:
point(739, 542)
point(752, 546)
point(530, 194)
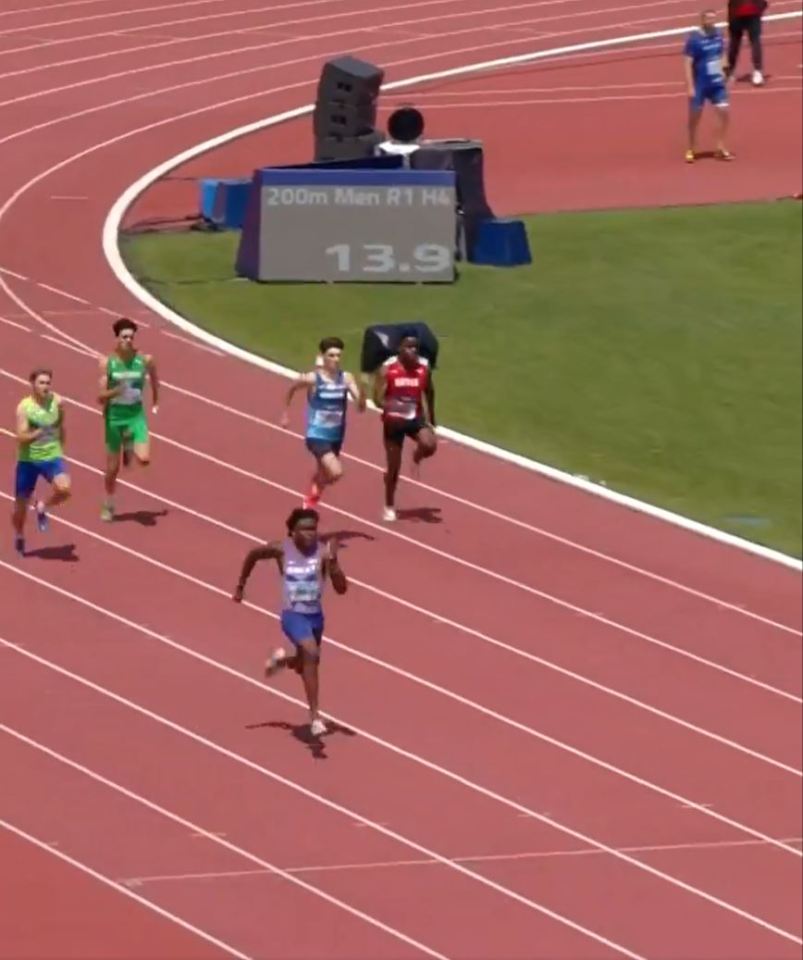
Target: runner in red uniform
point(403, 389)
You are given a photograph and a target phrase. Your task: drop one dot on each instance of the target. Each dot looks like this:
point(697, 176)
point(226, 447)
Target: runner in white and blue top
point(328, 389)
point(704, 60)
point(304, 564)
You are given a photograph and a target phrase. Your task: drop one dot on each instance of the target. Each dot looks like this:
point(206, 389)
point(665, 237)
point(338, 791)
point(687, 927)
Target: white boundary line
point(118, 887)
point(111, 249)
point(215, 838)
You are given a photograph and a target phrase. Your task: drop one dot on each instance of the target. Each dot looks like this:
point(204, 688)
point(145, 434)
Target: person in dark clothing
point(744, 17)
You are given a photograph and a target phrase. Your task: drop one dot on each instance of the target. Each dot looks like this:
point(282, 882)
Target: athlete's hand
point(238, 594)
point(284, 419)
point(155, 408)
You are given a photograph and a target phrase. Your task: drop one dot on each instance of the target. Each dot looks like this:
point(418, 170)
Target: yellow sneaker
point(690, 156)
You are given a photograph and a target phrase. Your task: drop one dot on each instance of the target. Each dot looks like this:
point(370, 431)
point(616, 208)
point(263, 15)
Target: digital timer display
point(356, 225)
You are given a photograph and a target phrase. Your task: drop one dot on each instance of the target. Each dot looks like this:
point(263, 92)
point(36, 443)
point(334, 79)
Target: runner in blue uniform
point(304, 564)
point(328, 389)
point(704, 63)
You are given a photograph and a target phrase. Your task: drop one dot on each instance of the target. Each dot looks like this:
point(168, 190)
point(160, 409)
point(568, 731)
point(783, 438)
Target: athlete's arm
point(303, 380)
point(24, 434)
point(688, 65)
point(104, 392)
point(380, 387)
point(270, 551)
point(62, 429)
point(356, 391)
point(153, 373)
point(428, 399)
point(333, 569)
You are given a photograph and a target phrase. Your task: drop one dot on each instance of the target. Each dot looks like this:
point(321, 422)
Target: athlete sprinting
point(304, 564)
point(328, 389)
point(122, 385)
point(404, 390)
point(40, 453)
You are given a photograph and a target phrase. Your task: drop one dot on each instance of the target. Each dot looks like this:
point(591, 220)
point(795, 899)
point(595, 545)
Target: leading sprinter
point(705, 68)
point(304, 564)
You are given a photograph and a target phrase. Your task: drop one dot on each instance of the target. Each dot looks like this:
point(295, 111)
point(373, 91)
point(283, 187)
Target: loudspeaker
point(348, 81)
point(348, 148)
point(345, 110)
point(381, 340)
point(333, 119)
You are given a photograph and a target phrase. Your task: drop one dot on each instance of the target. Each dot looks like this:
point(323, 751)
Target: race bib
point(403, 407)
point(304, 593)
point(714, 68)
point(129, 396)
point(328, 418)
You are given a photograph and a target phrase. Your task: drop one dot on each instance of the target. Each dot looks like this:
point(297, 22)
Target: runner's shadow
point(145, 518)
point(302, 733)
point(65, 553)
point(421, 514)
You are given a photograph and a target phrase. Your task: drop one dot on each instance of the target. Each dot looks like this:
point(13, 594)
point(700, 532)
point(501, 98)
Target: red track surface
point(574, 734)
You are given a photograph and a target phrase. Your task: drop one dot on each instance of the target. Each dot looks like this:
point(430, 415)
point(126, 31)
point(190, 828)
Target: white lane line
point(215, 838)
point(118, 887)
point(295, 495)
point(331, 805)
point(692, 847)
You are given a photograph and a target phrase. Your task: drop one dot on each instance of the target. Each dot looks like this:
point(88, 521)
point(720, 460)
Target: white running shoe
point(758, 78)
point(275, 662)
point(388, 514)
point(318, 727)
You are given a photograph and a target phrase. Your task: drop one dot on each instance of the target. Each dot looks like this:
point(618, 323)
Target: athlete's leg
point(24, 484)
point(310, 655)
point(736, 32)
point(695, 112)
point(114, 443)
point(394, 441)
point(141, 440)
point(56, 474)
point(723, 121)
point(426, 443)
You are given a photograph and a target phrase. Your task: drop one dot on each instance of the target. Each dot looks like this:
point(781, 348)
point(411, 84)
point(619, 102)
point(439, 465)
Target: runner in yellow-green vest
point(123, 375)
point(40, 453)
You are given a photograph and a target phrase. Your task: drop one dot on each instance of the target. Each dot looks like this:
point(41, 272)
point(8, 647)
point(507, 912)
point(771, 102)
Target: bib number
point(406, 409)
point(714, 68)
point(328, 418)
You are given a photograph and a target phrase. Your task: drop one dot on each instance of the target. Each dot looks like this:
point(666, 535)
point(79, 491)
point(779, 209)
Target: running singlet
point(132, 374)
point(48, 445)
point(302, 579)
point(706, 51)
point(404, 389)
point(326, 408)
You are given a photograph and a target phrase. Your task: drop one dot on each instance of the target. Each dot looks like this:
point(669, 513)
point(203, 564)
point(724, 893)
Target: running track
point(562, 730)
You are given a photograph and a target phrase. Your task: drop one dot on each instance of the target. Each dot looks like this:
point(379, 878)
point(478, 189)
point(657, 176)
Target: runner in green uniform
point(122, 386)
point(40, 452)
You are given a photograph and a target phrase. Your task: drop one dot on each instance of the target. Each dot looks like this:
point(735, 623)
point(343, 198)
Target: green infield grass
point(656, 350)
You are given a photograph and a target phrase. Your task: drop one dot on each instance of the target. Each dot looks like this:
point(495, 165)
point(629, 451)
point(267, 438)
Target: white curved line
point(115, 260)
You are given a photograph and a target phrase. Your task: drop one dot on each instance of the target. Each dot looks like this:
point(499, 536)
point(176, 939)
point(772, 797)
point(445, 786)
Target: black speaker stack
point(344, 122)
